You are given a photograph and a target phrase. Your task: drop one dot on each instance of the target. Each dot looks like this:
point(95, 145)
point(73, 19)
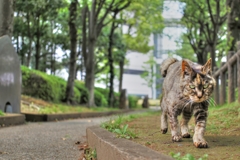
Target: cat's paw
point(164, 131)
point(201, 144)
point(199, 141)
point(176, 138)
point(186, 135)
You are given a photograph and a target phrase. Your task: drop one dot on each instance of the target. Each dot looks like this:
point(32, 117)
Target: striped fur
point(187, 88)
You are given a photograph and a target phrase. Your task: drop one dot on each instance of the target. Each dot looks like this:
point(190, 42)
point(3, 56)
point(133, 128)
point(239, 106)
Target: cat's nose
point(199, 95)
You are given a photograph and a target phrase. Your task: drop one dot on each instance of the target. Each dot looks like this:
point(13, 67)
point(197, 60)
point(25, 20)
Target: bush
point(132, 101)
point(47, 87)
point(105, 92)
point(83, 90)
point(99, 98)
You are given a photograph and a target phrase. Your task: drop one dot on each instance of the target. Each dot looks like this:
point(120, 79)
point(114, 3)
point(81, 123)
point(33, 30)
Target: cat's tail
point(165, 64)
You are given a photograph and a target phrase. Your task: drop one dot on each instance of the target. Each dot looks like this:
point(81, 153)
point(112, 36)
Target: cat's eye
point(192, 86)
point(205, 86)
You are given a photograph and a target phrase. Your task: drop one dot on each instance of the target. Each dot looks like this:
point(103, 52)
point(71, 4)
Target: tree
point(233, 22)
point(114, 26)
point(36, 25)
point(204, 20)
point(96, 21)
point(149, 74)
point(73, 48)
point(143, 18)
point(6, 17)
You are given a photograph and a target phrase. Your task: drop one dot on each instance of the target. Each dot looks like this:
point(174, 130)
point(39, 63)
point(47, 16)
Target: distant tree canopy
point(89, 37)
point(205, 21)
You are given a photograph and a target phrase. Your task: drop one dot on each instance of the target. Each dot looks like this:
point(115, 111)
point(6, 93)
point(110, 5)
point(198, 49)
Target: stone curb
point(12, 119)
point(108, 147)
point(54, 117)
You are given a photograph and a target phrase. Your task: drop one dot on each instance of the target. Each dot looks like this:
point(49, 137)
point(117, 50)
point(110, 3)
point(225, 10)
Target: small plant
point(1, 113)
point(90, 154)
point(188, 156)
point(122, 132)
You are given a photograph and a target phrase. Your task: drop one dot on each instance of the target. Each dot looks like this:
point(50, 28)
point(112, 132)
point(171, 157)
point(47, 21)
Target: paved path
point(45, 140)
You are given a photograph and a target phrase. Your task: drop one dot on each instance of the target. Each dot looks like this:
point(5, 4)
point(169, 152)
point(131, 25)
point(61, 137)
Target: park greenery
point(84, 37)
point(143, 128)
point(89, 39)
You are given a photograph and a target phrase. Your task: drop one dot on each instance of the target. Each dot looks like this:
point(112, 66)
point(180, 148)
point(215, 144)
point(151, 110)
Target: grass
point(33, 105)
point(121, 129)
point(188, 156)
point(225, 117)
point(90, 154)
point(152, 102)
point(1, 113)
point(222, 134)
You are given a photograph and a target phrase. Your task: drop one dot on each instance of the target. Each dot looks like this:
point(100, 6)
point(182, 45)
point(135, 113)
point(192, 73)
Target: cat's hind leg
point(175, 128)
point(164, 122)
point(186, 116)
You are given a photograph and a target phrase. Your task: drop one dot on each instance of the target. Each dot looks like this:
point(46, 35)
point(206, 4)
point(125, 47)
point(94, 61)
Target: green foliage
point(99, 97)
point(47, 87)
point(122, 132)
point(1, 113)
point(119, 127)
point(145, 17)
point(105, 93)
point(83, 90)
point(205, 30)
point(188, 156)
point(116, 126)
point(100, 100)
point(132, 101)
point(90, 154)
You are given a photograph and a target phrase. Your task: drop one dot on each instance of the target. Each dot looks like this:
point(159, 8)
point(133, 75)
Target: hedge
point(132, 101)
point(47, 87)
point(52, 88)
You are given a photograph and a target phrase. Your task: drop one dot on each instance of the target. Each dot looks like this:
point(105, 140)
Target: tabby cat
point(186, 89)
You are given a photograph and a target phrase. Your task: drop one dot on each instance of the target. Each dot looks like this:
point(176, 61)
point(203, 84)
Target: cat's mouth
point(196, 99)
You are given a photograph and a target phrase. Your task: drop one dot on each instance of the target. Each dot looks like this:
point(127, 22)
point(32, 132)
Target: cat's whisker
point(213, 101)
point(191, 106)
point(209, 102)
point(186, 105)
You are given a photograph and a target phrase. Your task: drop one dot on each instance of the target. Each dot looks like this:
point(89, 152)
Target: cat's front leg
point(186, 116)
point(200, 115)
point(175, 128)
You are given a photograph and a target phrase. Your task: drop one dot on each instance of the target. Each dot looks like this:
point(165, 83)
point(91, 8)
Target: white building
point(163, 44)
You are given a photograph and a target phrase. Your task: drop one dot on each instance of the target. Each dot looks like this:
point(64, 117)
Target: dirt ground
point(224, 143)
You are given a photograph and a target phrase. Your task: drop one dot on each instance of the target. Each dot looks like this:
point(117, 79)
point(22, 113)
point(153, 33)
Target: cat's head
point(198, 82)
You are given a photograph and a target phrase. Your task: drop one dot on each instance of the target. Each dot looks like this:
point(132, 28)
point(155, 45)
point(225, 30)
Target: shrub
point(47, 87)
point(83, 90)
point(99, 98)
point(132, 101)
point(105, 92)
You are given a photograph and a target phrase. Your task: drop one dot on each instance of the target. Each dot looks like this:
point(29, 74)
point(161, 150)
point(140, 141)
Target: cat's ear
point(186, 69)
point(207, 68)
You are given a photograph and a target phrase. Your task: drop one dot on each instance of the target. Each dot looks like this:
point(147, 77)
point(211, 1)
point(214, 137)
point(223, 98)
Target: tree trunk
point(110, 62)
point(233, 23)
point(73, 54)
point(121, 69)
point(84, 43)
point(6, 17)
point(90, 59)
point(29, 54)
point(22, 51)
point(38, 45)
